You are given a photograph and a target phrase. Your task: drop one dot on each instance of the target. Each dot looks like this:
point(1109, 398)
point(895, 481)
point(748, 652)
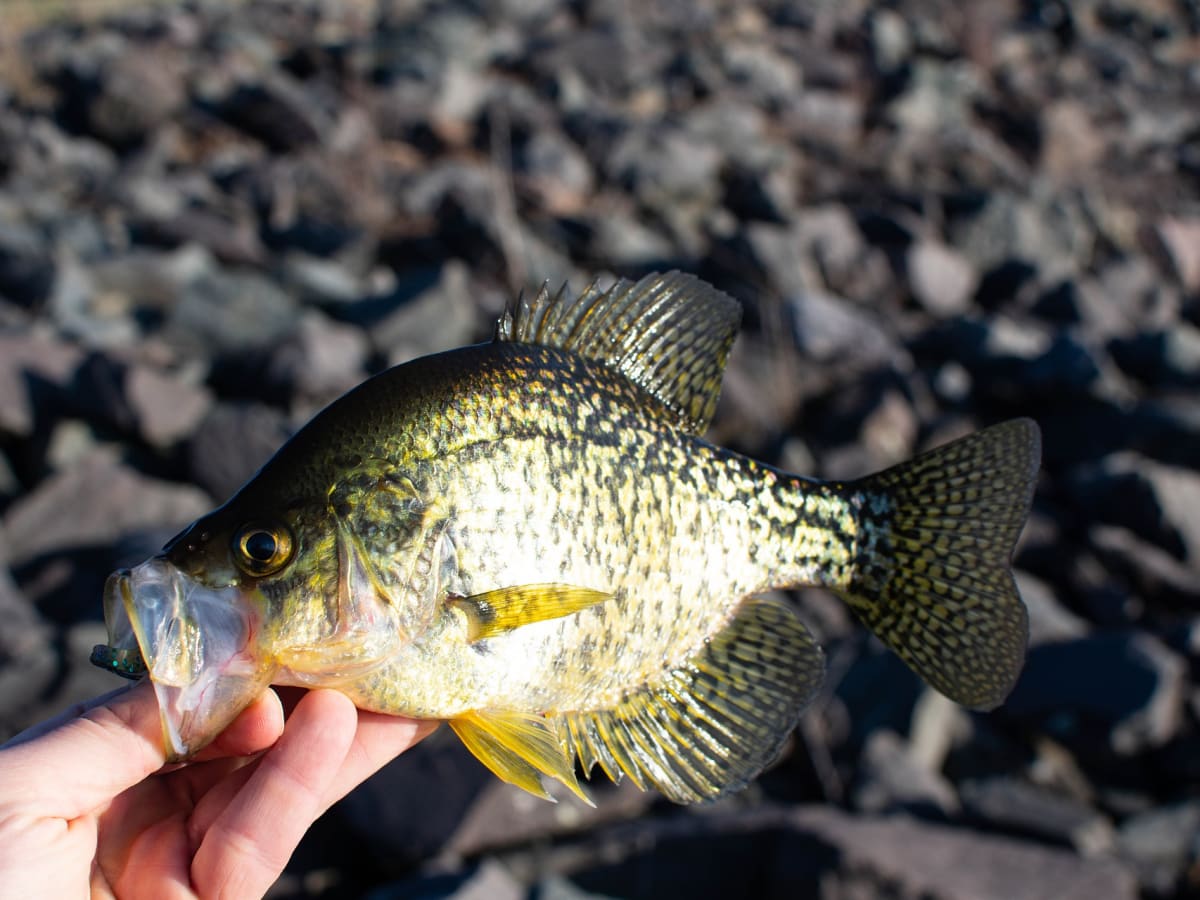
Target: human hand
point(86, 805)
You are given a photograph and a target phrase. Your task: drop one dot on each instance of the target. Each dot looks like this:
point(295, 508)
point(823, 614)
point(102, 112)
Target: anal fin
point(711, 725)
point(519, 748)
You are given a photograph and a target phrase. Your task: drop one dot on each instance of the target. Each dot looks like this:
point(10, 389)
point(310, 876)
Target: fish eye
point(262, 549)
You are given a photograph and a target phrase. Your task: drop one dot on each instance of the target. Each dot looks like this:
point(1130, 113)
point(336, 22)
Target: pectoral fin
point(519, 748)
point(498, 611)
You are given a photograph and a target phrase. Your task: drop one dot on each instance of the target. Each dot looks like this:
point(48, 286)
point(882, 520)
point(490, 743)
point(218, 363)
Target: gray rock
point(439, 316)
point(166, 408)
point(106, 500)
point(829, 329)
point(1006, 803)
point(556, 171)
point(1049, 621)
point(319, 281)
point(941, 279)
point(1161, 844)
point(230, 312)
point(28, 661)
point(488, 881)
point(1148, 569)
point(138, 91)
point(35, 372)
point(320, 360)
point(231, 444)
point(1178, 241)
point(891, 780)
point(1157, 502)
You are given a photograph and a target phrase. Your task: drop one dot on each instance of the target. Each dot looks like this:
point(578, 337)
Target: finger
point(250, 842)
point(378, 740)
point(255, 729)
point(85, 761)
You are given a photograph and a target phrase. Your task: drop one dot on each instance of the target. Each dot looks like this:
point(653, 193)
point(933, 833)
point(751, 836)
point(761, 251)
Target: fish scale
point(531, 540)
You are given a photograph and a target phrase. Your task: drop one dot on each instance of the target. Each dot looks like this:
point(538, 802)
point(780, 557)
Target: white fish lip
point(196, 642)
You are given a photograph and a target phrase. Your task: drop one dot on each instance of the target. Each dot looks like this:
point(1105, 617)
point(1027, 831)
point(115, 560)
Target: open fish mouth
point(192, 640)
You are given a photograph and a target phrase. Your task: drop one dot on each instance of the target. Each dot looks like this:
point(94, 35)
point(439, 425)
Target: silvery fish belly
point(531, 540)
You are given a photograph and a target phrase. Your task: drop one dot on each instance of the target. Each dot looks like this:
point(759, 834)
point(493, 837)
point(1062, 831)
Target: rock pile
point(216, 217)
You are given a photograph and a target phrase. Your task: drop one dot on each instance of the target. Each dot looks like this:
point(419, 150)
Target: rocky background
point(215, 218)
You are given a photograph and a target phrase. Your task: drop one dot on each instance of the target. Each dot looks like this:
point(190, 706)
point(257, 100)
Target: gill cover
point(196, 645)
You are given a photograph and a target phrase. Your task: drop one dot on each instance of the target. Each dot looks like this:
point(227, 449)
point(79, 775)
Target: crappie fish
point(531, 540)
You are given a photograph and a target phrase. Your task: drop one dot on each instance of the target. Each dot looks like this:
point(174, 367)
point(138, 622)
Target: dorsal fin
point(669, 334)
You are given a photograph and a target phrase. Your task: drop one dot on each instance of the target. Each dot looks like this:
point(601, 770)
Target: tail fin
point(933, 577)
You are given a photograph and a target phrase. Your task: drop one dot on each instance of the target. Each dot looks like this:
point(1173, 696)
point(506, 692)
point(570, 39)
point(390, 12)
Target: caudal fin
point(933, 577)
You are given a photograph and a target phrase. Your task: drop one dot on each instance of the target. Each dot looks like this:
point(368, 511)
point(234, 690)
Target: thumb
point(87, 756)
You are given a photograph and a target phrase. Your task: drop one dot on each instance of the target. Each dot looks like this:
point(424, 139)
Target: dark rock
point(1150, 571)
point(277, 111)
point(1161, 844)
point(486, 881)
point(26, 265)
point(809, 851)
point(1159, 503)
point(1165, 358)
point(1105, 694)
point(231, 443)
point(891, 780)
point(1010, 804)
point(411, 808)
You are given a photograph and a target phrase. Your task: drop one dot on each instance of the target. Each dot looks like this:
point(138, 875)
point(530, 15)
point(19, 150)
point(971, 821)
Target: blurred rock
point(1161, 844)
point(1159, 503)
point(35, 373)
point(1178, 240)
point(488, 881)
point(231, 443)
point(1005, 803)
point(829, 329)
point(1049, 621)
point(231, 311)
point(26, 265)
point(891, 780)
point(28, 661)
point(1168, 358)
point(941, 280)
point(320, 360)
point(106, 500)
point(436, 312)
point(166, 408)
point(1118, 693)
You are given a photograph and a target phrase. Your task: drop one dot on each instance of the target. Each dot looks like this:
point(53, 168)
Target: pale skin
point(89, 808)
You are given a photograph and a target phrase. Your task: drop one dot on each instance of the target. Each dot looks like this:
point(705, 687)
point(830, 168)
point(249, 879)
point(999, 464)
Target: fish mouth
point(195, 643)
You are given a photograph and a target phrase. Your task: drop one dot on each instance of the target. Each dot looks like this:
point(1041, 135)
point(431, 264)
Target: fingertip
point(254, 729)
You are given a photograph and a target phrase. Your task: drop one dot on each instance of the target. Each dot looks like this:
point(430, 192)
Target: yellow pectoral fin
point(517, 747)
point(498, 611)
